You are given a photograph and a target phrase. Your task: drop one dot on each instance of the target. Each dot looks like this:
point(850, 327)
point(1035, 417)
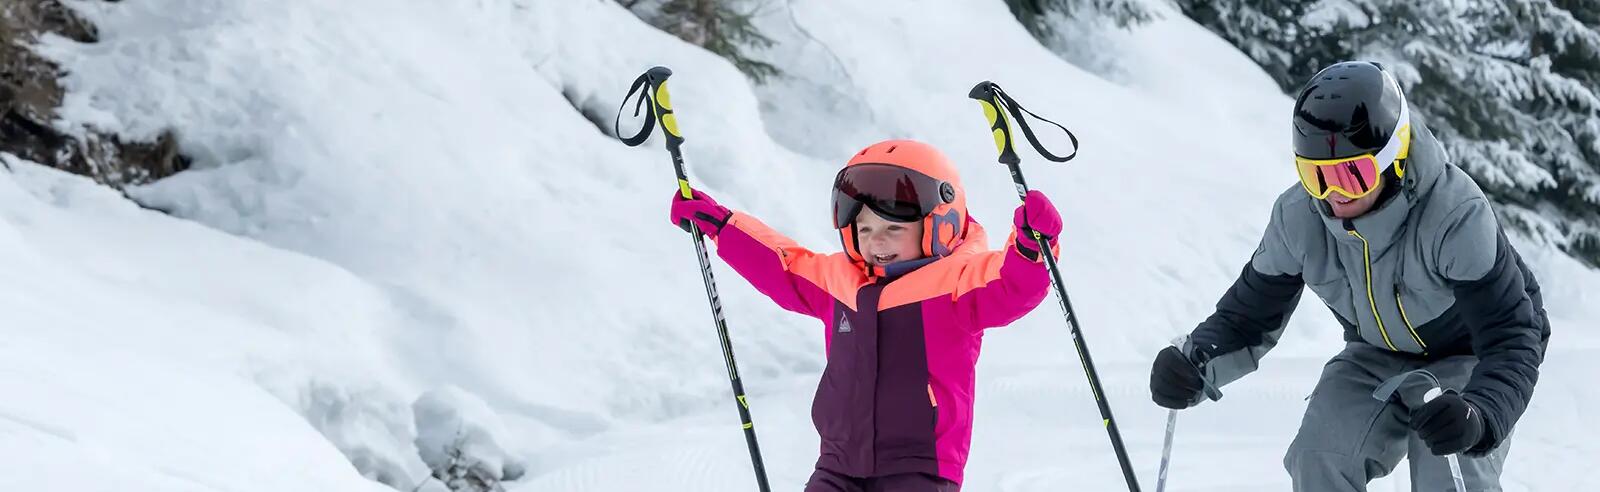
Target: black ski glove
point(1174, 381)
point(1448, 424)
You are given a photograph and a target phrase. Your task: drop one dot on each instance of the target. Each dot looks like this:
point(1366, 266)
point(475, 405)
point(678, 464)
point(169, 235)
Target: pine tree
point(719, 26)
point(1265, 30)
point(1509, 86)
point(1033, 14)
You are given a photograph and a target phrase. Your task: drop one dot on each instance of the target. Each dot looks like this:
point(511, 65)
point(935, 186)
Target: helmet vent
point(891, 149)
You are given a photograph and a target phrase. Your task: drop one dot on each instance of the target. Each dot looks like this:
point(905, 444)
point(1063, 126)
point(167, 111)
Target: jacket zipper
point(1407, 319)
point(1366, 259)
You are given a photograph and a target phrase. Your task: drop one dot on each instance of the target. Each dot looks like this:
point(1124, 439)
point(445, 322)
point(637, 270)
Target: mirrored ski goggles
point(1355, 177)
point(896, 193)
point(1352, 177)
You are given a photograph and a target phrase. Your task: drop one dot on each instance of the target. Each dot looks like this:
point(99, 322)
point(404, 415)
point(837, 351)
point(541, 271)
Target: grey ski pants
point(1347, 438)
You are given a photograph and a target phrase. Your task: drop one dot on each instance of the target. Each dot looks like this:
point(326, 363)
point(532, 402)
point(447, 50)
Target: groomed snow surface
point(400, 233)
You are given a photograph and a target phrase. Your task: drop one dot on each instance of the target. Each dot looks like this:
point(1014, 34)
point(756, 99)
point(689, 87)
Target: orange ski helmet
point(902, 181)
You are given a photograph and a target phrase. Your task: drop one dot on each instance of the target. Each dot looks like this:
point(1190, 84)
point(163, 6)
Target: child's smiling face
point(883, 242)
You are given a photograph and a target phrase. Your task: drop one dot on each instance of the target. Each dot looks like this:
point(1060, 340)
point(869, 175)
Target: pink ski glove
point(701, 210)
point(1040, 215)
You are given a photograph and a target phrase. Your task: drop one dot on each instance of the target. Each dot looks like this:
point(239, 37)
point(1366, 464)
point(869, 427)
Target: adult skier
point(1404, 249)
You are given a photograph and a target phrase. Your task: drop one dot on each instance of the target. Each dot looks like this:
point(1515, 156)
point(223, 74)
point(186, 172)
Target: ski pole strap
point(996, 104)
point(1027, 131)
point(654, 85)
point(1389, 386)
point(649, 118)
point(1201, 360)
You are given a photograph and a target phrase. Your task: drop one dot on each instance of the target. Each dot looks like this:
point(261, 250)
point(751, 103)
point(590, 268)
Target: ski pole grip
point(661, 104)
point(999, 125)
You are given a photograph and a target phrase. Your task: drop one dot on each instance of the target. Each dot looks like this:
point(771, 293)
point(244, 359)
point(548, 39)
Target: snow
point(388, 200)
point(457, 437)
point(131, 350)
point(1329, 15)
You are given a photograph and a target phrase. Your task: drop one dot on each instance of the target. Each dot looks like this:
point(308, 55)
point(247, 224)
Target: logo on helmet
point(945, 229)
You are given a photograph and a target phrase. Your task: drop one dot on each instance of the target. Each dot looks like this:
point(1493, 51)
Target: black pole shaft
point(727, 346)
point(658, 76)
point(1077, 338)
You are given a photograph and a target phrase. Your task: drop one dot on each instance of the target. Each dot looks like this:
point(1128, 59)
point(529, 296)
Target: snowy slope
point(373, 215)
point(133, 357)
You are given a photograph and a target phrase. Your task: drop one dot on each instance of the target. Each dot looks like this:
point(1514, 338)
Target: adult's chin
point(1343, 209)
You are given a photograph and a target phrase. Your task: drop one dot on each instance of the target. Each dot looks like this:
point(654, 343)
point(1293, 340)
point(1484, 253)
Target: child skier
point(904, 306)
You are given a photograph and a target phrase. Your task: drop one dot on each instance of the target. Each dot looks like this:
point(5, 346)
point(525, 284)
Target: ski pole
point(1200, 360)
point(1211, 391)
point(654, 85)
point(1166, 451)
point(1455, 462)
point(1390, 386)
point(995, 105)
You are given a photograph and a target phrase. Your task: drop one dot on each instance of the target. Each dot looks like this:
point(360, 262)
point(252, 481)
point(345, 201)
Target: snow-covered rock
point(460, 439)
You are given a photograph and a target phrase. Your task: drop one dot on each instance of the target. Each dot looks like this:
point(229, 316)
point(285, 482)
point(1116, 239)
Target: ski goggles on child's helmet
point(896, 193)
point(1356, 176)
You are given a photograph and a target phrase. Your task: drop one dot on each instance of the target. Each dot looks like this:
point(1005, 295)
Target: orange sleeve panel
point(944, 277)
point(795, 277)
